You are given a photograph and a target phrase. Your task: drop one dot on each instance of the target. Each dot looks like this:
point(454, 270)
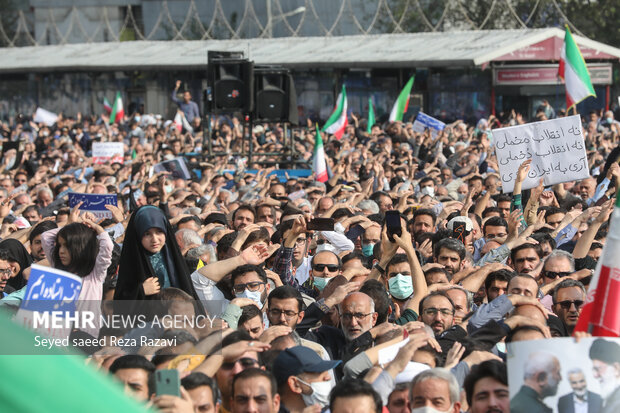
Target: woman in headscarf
point(19, 260)
point(151, 259)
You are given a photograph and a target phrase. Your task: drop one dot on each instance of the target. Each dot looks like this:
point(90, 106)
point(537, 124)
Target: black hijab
point(19, 254)
point(135, 266)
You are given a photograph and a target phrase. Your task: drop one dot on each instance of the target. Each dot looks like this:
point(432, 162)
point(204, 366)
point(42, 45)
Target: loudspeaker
point(275, 97)
point(232, 85)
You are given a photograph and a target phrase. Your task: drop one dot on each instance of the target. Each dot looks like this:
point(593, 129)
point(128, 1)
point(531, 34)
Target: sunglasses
point(568, 303)
point(553, 275)
point(330, 267)
point(245, 362)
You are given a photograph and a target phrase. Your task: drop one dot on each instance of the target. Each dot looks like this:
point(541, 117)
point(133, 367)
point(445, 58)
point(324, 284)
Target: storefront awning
point(407, 50)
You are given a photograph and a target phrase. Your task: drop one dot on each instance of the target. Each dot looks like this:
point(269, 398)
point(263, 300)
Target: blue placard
point(430, 122)
point(94, 203)
point(50, 289)
point(280, 173)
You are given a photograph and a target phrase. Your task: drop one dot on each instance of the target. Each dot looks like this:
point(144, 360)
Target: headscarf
point(19, 254)
point(135, 266)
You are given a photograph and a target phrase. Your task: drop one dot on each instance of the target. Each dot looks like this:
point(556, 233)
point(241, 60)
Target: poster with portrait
point(565, 375)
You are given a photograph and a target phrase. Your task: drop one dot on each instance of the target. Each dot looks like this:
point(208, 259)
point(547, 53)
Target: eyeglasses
point(245, 362)
point(358, 316)
point(301, 241)
point(330, 267)
point(253, 286)
point(276, 312)
point(553, 274)
point(434, 311)
point(566, 304)
point(7, 271)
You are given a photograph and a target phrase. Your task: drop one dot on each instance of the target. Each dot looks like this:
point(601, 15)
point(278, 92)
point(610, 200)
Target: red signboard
point(548, 50)
point(600, 74)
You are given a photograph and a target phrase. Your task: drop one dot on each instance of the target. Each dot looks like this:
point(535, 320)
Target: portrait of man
point(580, 399)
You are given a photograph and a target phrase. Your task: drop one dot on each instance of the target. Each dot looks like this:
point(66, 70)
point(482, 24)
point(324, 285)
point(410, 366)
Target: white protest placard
point(556, 148)
point(104, 152)
point(424, 121)
point(45, 116)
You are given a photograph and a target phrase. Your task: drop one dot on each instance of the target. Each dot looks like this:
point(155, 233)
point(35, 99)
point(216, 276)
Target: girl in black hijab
point(150, 259)
point(19, 260)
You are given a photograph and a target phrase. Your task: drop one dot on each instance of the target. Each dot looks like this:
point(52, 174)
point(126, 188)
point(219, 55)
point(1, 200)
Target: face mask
point(610, 120)
point(136, 118)
point(428, 190)
point(400, 286)
point(320, 282)
point(460, 197)
point(168, 188)
point(428, 409)
point(501, 347)
point(252, 295)
point(320, 393)
point(367, 249)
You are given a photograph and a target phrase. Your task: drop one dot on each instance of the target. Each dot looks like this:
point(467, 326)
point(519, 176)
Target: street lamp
point(270, 19)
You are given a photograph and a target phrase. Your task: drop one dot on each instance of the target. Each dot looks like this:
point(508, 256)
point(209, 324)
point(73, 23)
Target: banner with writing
point(50, 293)
point(94, 203)
point(556, 148)
point(424, 121)
point(104, 152)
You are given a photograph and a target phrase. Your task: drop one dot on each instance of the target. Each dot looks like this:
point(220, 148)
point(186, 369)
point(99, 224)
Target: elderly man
point(605, 356)
point(580, 399)
point(435, 389)
point(541, 378)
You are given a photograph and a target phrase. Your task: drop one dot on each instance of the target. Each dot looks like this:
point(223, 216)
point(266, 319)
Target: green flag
point(371, 116)
point(52, 381)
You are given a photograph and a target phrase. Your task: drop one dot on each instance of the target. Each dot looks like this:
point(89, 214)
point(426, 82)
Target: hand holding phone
point(321, 224)
point(167, 382)
point(393, 224)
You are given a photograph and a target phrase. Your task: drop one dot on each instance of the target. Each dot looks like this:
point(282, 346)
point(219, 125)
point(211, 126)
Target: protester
point(298, 313)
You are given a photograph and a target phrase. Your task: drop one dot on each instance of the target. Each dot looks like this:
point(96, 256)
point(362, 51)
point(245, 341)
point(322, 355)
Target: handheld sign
point(177, 167)
point(556, 148)
point(51, 295)
point(424, 121)
point(94, 203)
point(45, 116)
point(104, 152)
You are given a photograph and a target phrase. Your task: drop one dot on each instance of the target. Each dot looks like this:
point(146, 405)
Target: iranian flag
point(338, 120)
point(600, 314)
point(574, 72)
point(371, 116)
point(402, 103)
point(319, 166)
point(107, 106)
point(118, 113)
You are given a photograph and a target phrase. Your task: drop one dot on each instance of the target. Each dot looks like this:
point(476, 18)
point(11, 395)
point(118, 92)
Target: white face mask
point(428, 190)
point(428, 409)
point(320, 393)
point(252, 295)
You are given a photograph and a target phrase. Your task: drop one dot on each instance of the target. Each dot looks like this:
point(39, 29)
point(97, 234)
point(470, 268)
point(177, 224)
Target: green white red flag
point(106, 105)
point(402, 103)
point(338, 120)
point(574, 72)
point(600, 314)
point(319, 166)
point(118, 113)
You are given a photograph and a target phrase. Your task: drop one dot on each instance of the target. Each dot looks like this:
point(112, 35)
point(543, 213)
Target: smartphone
point(393, 224)
point(355, 232)
point(321, 224)
point(459, 231)
point(167, 382)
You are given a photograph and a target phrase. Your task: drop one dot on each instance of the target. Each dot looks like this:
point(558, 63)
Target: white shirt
point(580, 406)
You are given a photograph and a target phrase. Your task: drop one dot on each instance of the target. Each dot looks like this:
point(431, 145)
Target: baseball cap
point(468, 224)
point(300, 359)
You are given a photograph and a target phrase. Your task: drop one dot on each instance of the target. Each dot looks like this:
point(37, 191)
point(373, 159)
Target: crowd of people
point(303, 313)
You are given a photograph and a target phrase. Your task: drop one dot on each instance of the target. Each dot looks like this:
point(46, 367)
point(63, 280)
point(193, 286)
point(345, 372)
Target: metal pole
point(268, 28)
